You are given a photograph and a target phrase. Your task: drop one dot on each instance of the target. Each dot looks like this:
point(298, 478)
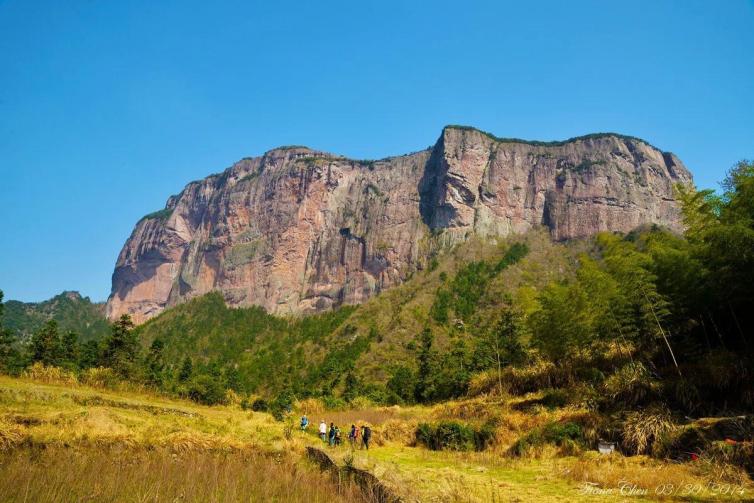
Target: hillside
point(299, 231)
point(308, 353)
point(72, 312)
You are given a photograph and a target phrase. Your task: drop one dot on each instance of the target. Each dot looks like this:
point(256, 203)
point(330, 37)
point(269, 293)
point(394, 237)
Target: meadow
point(72, 442)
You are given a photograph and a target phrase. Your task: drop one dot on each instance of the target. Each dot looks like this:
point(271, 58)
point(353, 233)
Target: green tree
point(424, 386)
point(70, 350)
point(187, 370)
point(45, 345)
point(402, 383)
point(10, 358)
point(155, 363)
point(351, 386)
point(91, 354)
point(501, 346)
point(122, 348)
point(233, 378)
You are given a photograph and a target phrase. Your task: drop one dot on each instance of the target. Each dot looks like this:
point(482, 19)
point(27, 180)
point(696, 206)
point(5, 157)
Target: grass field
point(75, 443)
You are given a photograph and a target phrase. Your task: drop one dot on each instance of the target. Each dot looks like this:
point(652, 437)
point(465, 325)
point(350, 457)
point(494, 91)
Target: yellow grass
point(121, 474)
point(149, 448)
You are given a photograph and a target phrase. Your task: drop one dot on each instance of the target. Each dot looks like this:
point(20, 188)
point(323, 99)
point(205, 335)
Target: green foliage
point(206, 389)
point(452, 435)
point(562, 434)
point(423, 390)
point(161, 215)
point(469, 285)
point(155, 364)
point(10, 357)
point(402, 383)
point(187, 369)
point(45, 345)
point(121, 348)
point(72, 312)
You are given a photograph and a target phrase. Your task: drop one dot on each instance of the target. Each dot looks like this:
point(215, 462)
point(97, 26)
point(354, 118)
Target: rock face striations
point(298, 231)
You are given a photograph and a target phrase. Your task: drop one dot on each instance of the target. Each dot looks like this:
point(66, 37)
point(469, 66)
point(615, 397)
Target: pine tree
point(155, 364)
point(122, 348)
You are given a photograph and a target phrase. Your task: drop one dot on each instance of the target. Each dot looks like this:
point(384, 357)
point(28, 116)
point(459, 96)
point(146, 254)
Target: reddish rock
point(299, 231)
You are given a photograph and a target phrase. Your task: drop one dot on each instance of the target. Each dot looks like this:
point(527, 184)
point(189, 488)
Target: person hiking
point(331, 434)
point(337, 436)
point(353, 435)
point(304, 422)
point(366, 435)
point(323, 430)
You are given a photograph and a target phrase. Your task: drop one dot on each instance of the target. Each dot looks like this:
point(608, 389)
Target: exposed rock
point(298, 231)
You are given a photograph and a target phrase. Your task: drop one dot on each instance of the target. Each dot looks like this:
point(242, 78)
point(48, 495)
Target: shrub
point(630, 386)
point(206, 390)
point(452, 435)
point(555, 398)
point(643, 428)
point(445, 435)
point(50, 374)
point(567, 435)
point(260, 405)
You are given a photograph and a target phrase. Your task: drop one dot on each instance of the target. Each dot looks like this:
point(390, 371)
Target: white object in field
point(606, 447)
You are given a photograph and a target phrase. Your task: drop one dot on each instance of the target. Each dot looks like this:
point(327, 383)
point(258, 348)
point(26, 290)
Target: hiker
point(304, 422)
point(366, 434)
point(323, 430)
point(353, 435)
point(337, 436)
point(331, 434)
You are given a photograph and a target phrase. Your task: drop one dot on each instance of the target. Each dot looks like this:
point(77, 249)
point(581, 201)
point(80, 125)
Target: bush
point(643, 428)
point(260, 405)
point(452, 435)
point(567, 435)
point(50, 374)
point(555, 398)
point(630, 386)
point(206, 390)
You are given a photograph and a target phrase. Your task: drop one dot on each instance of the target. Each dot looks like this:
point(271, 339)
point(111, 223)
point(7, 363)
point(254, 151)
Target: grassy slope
point(144, 445)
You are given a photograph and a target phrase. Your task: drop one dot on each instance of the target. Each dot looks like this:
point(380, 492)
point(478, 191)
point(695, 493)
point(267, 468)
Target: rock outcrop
point(297, 230)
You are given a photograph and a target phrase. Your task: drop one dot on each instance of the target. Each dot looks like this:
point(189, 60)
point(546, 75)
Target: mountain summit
point(298, 230)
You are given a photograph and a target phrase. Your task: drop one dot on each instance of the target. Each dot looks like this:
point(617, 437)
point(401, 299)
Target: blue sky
point(107, 108)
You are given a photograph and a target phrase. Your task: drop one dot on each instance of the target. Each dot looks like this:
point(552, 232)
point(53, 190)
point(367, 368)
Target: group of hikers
point(356, 436)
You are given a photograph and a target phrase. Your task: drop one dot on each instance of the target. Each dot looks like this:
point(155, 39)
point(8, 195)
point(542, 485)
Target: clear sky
point(107, 108)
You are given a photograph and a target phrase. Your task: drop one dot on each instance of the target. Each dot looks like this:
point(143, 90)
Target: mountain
point(72, 312)
point(301, 231)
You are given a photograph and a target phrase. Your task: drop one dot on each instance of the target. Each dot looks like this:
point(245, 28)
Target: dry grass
point(643, 428)
point(149, 448)
point(655, 479)
point(140, 475)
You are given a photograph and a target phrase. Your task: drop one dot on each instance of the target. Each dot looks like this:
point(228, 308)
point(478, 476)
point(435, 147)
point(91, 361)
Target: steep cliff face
point(298, 230)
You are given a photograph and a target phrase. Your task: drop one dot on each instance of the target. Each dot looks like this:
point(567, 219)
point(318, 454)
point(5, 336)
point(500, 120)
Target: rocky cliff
point(297, 230)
